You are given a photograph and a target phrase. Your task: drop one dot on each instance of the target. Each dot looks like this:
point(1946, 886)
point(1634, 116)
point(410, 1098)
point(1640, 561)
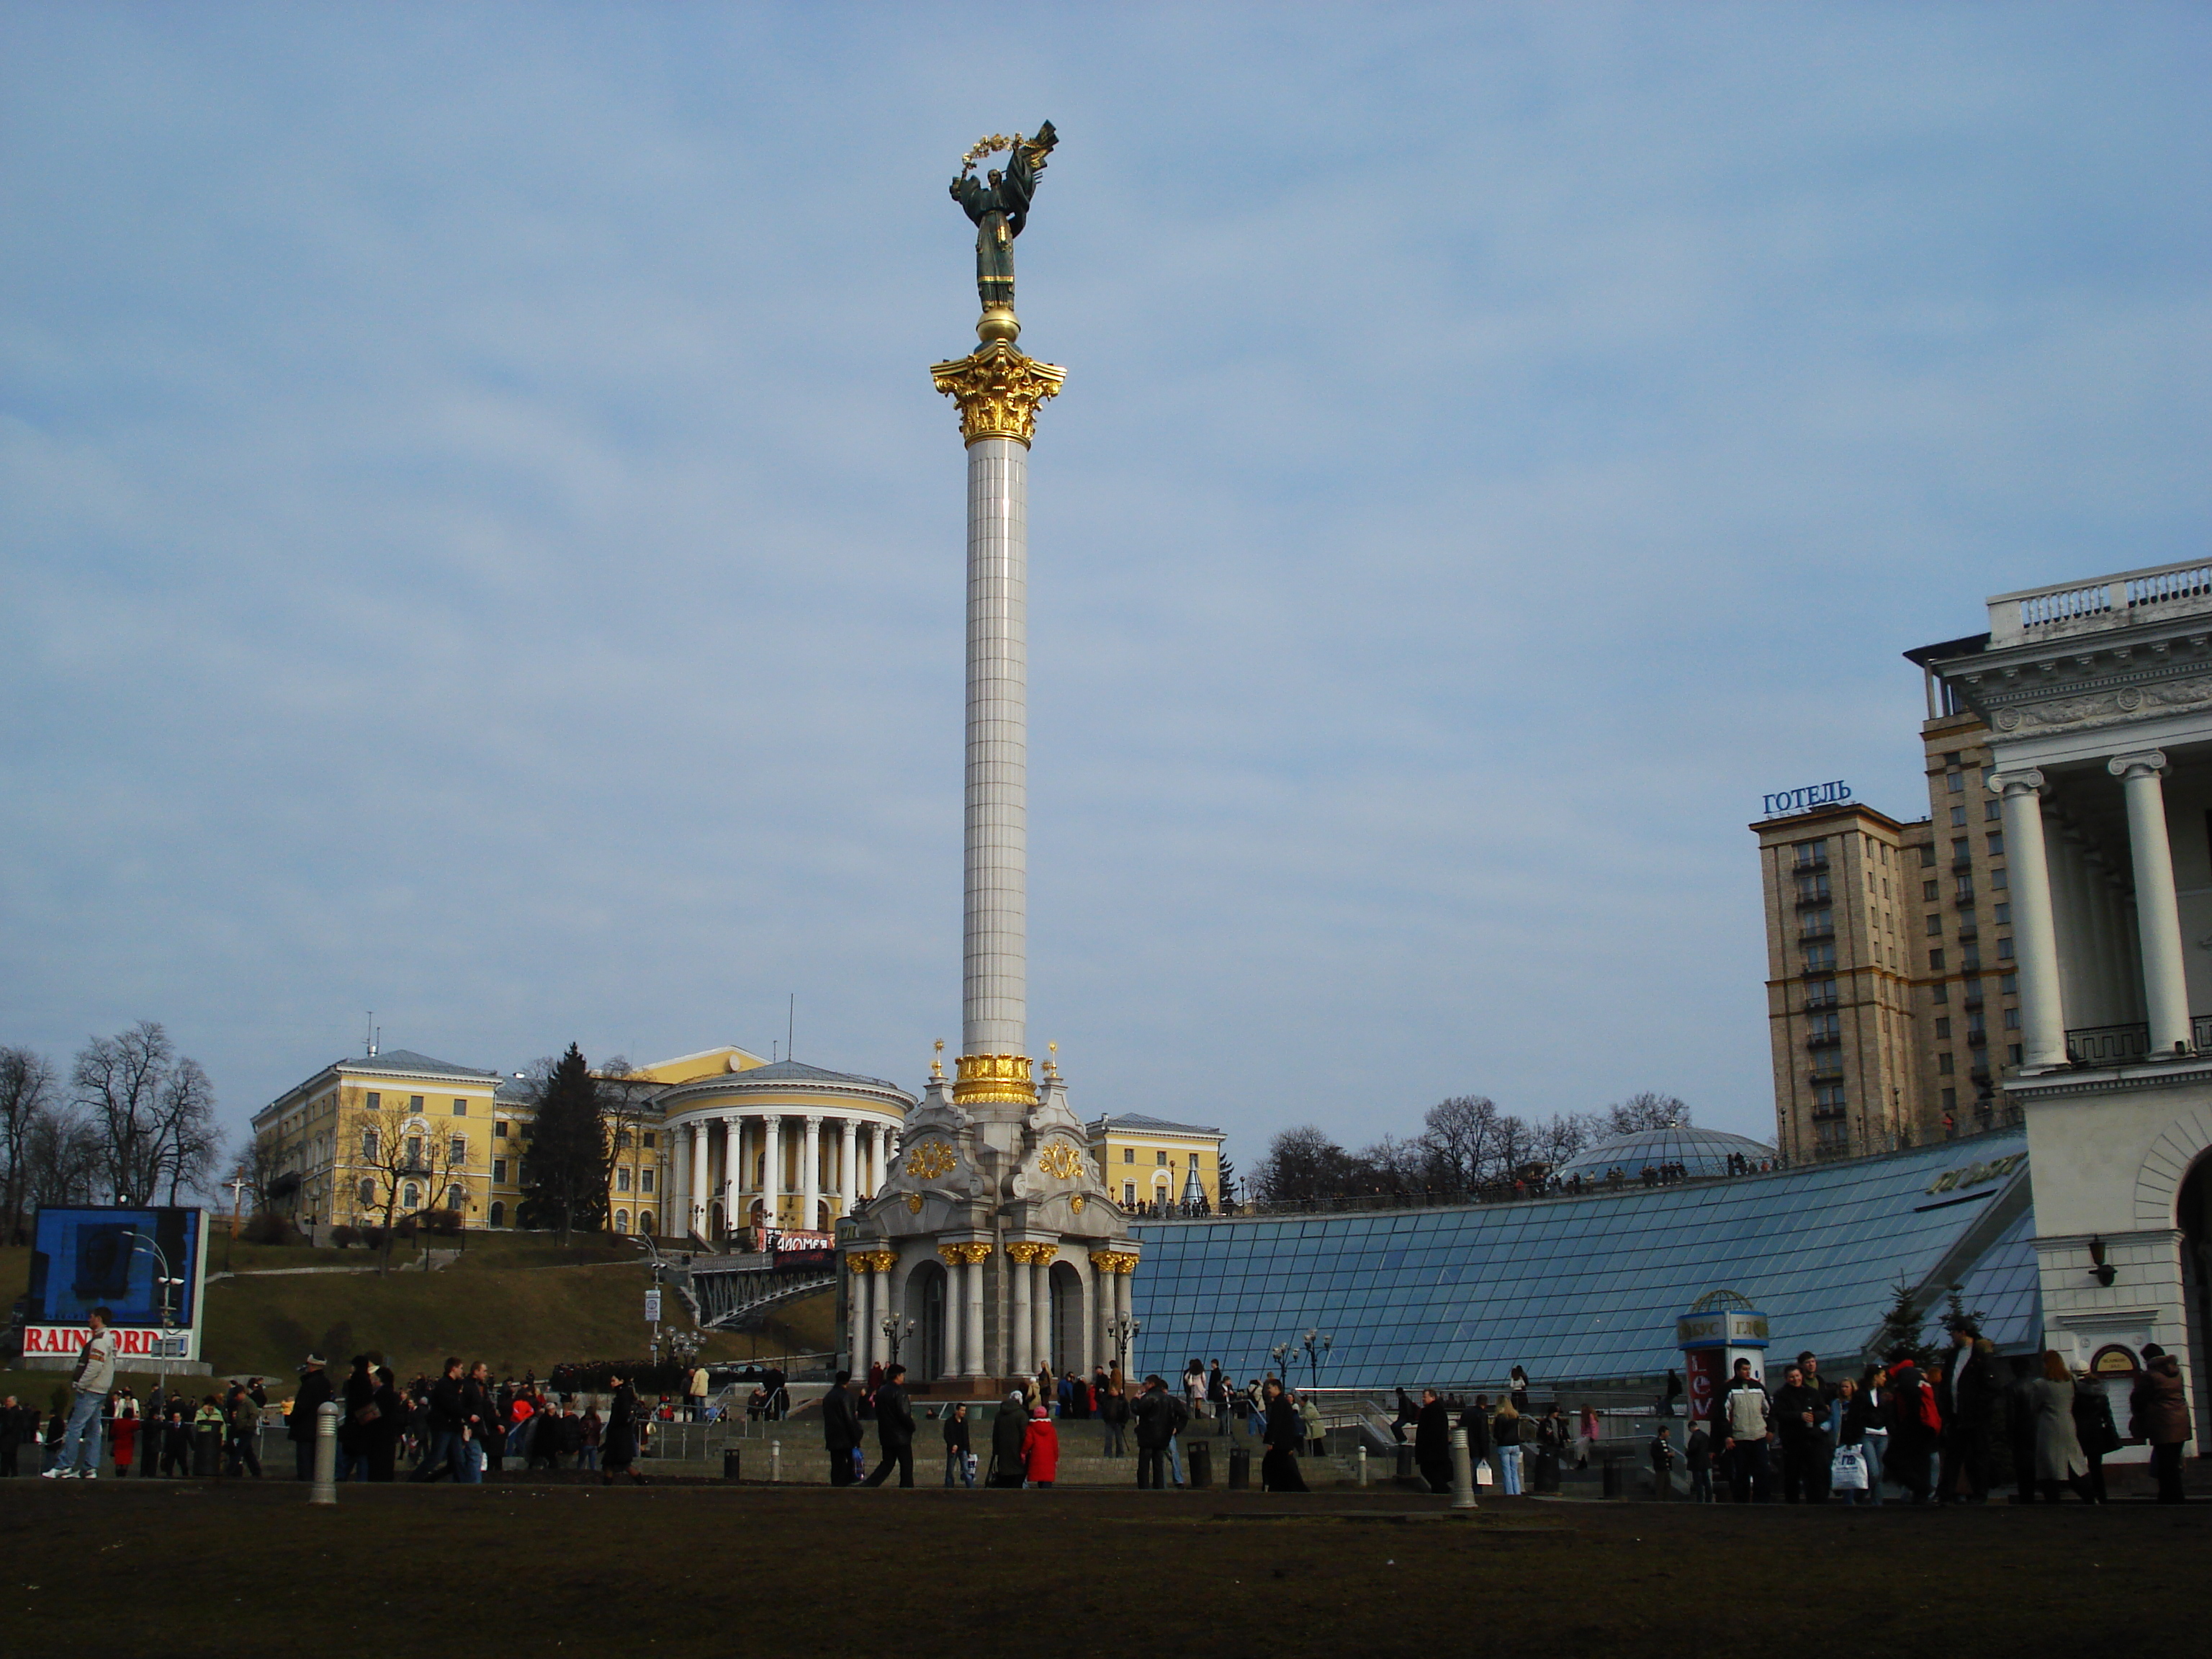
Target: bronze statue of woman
point(999, 205)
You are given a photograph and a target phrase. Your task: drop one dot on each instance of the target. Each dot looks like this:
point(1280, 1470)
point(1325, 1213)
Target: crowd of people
point(1955, 1429)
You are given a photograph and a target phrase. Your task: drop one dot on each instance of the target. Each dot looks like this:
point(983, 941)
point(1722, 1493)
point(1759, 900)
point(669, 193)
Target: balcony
point(2129, 1044)
point(2124, 600)
point(1808, 901)
point(1819, 930)
point(1814, 1005)
point(1967, 930)
point(1977, 1039)
point(1971, 1004)
point(1825, 1040)
point(1962, 866)
point(1963, 902)
point(1805, 866)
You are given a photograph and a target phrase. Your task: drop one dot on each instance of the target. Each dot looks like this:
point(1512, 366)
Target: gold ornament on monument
point(1060, 1161)
point(979, 1078)
point(930, 1159)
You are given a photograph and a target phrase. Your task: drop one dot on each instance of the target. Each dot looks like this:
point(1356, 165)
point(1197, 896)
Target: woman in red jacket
point(1040, 1449)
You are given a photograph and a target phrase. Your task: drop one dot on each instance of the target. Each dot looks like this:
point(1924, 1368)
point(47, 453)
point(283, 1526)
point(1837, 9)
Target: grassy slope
point(512, 1301)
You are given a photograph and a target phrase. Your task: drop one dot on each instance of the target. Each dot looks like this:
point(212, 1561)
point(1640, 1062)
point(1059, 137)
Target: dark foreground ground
point(160, 1568)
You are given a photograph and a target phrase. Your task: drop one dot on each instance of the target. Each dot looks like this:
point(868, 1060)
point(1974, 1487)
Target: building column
point(1019, 1362)
point(1087, 1277)
point(772, 1170)
point(2157, 914)
point(2104, 951)
point(810, 1173)
point(1040, 1306)
point(2069, 906)
point(732, 1174)
point(856, 1347)
point(971, 1322)
point(2043, 1007)
point(848, 1185)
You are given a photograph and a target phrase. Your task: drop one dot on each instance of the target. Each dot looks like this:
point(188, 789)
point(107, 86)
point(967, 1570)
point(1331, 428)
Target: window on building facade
point(1993, 809)
point(411, 1196)
point(1812, 853)
point(1961, 853)
point(1955, 782)
point(647, 1138)
point(2004, 948)
point(1820, 994)
point(622, 1140)
point(2012, 1019)
point(1950, 1099)
point(1935, 925)
point(1820, 959)
point(622, 1179)
point(499, 1130)
point(455, 1197)
point(375, 1101)
point(1159, 1157)
point(1811, 890)
point(457, 1149)
point(1995, 839)
point(1958, 818)
point(1930, 891)
point(460, 1109)
point(1943, 1027)
point(499, 1170)
point(368, 1145)
point(1943, 1064)
point(1832, 1134)
point(2009, 985)
point(644, 1181)
point(2002, 916)
point(1999, 881)
point(1966, 892)
point(414, 1102)
point(367, 1192)
point(1824, 1027)
point(1128, 1155)
point(2011, 1055)
point(1939, 993)
point(1829, 1096)
point(1970, 955)
point(1128, 1192)
point(498, 1213)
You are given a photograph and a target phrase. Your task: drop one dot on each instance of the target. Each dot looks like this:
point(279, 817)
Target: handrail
point(2117, 601)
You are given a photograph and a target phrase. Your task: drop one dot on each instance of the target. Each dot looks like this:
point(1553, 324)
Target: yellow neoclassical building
point(1155, 1163)
point(705, 1145)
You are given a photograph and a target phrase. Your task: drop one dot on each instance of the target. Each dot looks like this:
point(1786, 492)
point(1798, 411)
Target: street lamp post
point(1124, 1330)
point(895, 1334)
point(1316, 1344)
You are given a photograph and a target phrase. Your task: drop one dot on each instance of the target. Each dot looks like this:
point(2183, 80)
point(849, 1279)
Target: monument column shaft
point(994, 1010)
point(1017, 1354)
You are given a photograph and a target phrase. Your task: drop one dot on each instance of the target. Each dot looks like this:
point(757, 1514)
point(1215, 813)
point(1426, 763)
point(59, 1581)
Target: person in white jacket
point(93, 1380)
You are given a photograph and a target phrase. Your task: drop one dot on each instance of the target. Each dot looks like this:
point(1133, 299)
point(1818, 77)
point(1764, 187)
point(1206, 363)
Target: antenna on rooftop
point(790, 1024)
point(369, 1042)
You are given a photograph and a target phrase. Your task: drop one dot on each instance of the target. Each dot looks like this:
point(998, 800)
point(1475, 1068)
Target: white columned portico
point(732, 1171)
point(810, 1173)
point(772, 1170)
point(2157, 914)
point(848, 1184)
point(2043, 1008)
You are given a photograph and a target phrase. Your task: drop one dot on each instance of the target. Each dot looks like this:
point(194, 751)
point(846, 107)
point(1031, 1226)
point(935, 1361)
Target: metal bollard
point(1361, 1464)
point(325, 1489)
point(1462, 1471)
point(775, 1463)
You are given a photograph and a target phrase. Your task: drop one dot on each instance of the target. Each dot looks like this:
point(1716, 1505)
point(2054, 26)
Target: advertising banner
point(146, 1265)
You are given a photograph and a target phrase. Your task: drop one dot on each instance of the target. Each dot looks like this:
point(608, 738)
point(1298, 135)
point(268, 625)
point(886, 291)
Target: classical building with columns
point(2096, 695)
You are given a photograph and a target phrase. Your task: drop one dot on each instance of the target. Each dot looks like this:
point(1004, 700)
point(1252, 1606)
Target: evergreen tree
point(567, 1166)
point(1901, 1326)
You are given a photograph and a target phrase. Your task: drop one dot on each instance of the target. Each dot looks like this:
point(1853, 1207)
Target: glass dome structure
point(1698, 1151)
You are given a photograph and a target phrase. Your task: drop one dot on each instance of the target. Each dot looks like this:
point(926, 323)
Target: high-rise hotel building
point(1892, 1000)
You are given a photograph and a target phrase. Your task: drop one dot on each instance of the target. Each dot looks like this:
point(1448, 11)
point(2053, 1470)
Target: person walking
point(1285, 1433)
point(1216, 1398)
point(1915, 1423)
point(1408, 1417)
point(1009, 1428)
point(358, 1411)
point(89, 1384)
point(1963, 1396)
point(1113, 1413)
point(446, 1424)
point(1869, 1417)
point(1798, 1409)
point(1153, 1413)
point(242, 1446)
point(1746, 1418)
point(314, 1392)
point(1697, 1462)
point(1663, 1462)
point(700, 1385)
point(894, 1429)
point(1316, 1431)
point(840, 1430)
point(2057, 1450)
point(122, 1432)
point(957, 1452)
point(2157, 1412)
point(1432, 1442)
point(480, 1424)
point(594, 1429)
point(1039, 1450)
point(1506, 1429)
point(618, 1442)
point(383, 1431)
point(2094, 1428)
point(176, 1440)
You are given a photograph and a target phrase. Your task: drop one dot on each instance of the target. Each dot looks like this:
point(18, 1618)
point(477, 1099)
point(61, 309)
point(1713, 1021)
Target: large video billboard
point(82, 1259)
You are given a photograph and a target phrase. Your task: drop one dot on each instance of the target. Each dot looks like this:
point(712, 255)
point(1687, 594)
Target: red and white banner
point(68, 1340)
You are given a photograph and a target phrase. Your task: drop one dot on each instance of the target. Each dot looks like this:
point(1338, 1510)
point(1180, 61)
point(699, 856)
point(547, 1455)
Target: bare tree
point(1647, 1110)
point(26, 1095)
point(257, 1165)
point(1460, 1136)
point(118, 1080)
point(1300, 1163)
point(190, 1144)
point(65, 1153)
point(402, 1151)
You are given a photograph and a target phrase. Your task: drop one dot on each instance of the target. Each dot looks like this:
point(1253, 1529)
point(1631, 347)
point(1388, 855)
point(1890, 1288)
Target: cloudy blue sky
point(478, 543)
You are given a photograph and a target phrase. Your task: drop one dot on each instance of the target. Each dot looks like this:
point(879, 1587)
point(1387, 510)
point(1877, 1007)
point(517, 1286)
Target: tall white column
point(1121, 1308)
point(1041, 1312)
point(2157, 914)
point(1019, 1362)
point(2043, 1008)
point(857, 1344)
point(2069, 916)
point(772, 1170)
point(1102, 1311)
point(971, 1322)
point(810, 1173)
point(994, 1006)
point(1087, 1278)
point(848, 1186)
point(734, 1179)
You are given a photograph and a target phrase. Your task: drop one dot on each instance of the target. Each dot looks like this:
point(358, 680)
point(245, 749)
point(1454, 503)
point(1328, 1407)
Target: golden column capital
point(978, 1078)
point(969, 1254)
point(998, 389)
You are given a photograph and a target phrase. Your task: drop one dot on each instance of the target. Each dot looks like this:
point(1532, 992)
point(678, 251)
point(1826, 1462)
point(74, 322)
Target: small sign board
point(652, 1305)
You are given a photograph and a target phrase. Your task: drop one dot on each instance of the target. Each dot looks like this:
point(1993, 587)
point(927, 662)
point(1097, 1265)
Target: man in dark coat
point(1153, 1414)
point(2158, 1411)
point(1964, 1397)
point(314, 1389)
point(841, 1428)
point(1910, 1438)
point(894, 1429)
point(448, 1417)
point(1797, 1411)
point(1432, 1442)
